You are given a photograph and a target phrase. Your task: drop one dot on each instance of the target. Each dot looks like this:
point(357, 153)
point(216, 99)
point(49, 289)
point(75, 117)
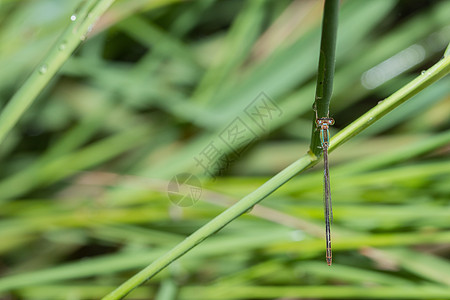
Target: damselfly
point(323, 124)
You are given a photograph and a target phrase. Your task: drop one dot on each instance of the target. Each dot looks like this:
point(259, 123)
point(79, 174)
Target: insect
point(323, 124)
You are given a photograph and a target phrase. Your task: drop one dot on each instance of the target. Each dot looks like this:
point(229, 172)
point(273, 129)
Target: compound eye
point(325, 121)
point(329, 121)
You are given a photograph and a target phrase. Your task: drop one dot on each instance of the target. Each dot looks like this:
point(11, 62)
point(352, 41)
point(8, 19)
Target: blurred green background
point(159, 87)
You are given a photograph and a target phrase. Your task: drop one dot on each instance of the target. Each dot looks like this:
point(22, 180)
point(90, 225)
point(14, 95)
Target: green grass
point(87, 151)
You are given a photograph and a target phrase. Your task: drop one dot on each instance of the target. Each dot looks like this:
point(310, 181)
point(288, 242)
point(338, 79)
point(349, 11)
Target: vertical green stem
point(324, 87)
point(432, 75)
point(80, 24)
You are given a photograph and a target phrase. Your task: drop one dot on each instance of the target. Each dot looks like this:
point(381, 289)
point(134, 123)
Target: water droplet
point(423, 72)
point(249, 210)
point(379, 102)
point(371, 118)
point(43, 69)
point(62, 46)
point(73, 18)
